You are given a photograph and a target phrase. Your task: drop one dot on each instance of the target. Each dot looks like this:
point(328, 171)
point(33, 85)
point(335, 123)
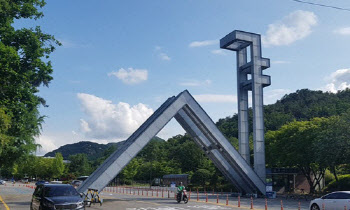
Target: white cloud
point(297, 25)
point(195, 83)
point(203, 43)
point(343, 31)
point(130, 76)
point(338, 80)
point(108, 121)
point(280, 62)
point(164, 57)
point(219, 52)
point(212, 98)
point(70, 44)
point(47, 145)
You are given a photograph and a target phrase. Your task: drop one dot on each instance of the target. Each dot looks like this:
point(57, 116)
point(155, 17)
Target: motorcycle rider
point(181, 194)
point(180, 189)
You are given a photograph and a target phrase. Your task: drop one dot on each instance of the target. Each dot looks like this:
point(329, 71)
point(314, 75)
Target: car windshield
point(64, 190)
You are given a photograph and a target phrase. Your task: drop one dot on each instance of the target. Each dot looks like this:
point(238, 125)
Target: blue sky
point(120, 60)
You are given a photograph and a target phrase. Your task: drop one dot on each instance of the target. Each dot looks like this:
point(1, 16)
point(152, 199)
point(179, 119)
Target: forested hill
point(91, 149)
point(302, 105)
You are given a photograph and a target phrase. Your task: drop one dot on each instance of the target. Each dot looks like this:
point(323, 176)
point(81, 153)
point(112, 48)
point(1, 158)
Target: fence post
point(281, 205)
point(197, 195)
point(251, 203)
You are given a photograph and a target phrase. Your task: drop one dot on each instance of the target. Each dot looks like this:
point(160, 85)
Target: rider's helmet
point(181, 184)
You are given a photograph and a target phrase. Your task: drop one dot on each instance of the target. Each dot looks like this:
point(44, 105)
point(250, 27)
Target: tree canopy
point(24, 67)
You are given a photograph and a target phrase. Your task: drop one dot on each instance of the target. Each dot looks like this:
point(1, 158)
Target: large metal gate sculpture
point(198, 124)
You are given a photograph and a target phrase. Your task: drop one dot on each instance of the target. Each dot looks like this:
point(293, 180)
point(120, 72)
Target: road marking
point(3, 202)
point(157, 204)
point(127, 200)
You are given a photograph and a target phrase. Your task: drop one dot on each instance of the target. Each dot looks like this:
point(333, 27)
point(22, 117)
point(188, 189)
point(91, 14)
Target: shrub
point(342, 184)
point(329, 177)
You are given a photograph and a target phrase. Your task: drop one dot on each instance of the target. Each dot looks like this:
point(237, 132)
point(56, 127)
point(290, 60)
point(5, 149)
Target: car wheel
point(315, 207)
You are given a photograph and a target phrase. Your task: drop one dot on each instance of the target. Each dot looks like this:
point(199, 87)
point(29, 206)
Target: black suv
point(56, 196)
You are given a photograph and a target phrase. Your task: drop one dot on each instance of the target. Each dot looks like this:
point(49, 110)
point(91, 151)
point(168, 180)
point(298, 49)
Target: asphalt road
point(18, 197)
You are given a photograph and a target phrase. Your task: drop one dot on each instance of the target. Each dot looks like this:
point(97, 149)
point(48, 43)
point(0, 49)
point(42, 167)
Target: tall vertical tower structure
point(250, 65)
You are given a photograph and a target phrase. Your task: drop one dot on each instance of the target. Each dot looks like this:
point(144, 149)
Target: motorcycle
point(182, 197)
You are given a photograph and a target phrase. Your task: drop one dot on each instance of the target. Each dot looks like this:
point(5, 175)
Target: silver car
point(333, 201)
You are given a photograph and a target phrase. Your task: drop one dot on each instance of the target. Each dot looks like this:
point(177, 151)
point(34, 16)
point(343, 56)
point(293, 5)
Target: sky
point(120, 60)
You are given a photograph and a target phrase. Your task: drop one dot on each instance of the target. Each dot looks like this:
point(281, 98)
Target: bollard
point(147, 193)
point(226, 200)
point(281, 205)
point(298, 205)
point(239, 201)
point(189, 195)
point(206, 199)
point(251, 203)
point(152, 192)
point(265, 204)
point(157, 193)
point(138, 191)
point(217, 198)
point(142, 191)
point(162, 193)
point(168, 194)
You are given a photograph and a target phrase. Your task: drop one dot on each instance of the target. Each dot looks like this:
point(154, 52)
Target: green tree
point(57, 167)
point(201, 176)
point(294, 145)
point(5, 122)
point(79, 165)
point(24, 67)
point(333, 144)
point(130, 171)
